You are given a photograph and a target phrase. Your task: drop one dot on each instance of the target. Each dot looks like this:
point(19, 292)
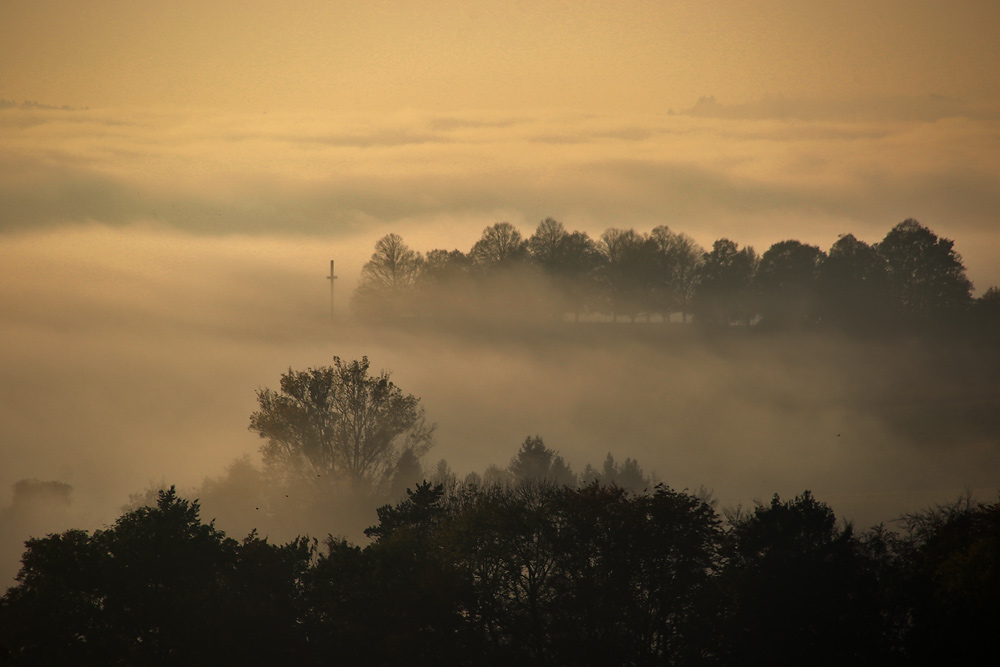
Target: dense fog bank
point(152, 383)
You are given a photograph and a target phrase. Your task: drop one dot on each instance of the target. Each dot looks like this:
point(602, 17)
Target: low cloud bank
point(717, 171)
point(132, 356)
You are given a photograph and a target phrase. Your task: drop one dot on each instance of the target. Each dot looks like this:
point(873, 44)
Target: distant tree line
point(910, 279)
point(528, 573)
point(347, 429)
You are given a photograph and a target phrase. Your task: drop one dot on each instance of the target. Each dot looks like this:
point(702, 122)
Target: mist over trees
point(341, 423)
point(524, 562)
point(912, 280)
point(528, 563)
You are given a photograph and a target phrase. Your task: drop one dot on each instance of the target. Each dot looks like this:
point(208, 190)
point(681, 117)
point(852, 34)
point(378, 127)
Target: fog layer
point(757, 174)
point(131, 358)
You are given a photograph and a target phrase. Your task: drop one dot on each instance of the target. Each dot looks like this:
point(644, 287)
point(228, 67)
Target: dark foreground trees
point(800, 589)
point(160, 587)
point(528, 573)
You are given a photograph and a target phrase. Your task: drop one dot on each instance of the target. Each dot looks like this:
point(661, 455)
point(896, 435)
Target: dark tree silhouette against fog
point(500, 245)
point(853, 286)
point(535, 461)
point(393, 266)
point(342, 422)
point(926, 277)
point(911, 280)
point(158, 587)
point(525, 572)
point(680, 261)
point(388, 278)
point(569, 261)
point(802, 589)
point(786, 284)
point(724, 284)
point(628, 272)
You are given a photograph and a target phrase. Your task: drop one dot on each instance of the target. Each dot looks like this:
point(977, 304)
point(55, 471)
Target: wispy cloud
point(759, 173)
point(928, 108)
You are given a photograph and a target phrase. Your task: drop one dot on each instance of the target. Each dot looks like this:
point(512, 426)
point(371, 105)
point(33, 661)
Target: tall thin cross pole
point(332, 277)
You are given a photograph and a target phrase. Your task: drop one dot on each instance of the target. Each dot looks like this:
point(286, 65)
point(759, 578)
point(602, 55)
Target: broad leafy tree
point(340, 422)
point(545, 246)
point(786, 284)
point(926, 276)
point(569, 260)
point(160, 587)
point(724, 282)
point(680, 259)
point(392, 267)
point(643, 604)
point(853, 286)
point(387, 279)
point(800, 588)
point(500, 245)
point(953, 581)
point(628, 272)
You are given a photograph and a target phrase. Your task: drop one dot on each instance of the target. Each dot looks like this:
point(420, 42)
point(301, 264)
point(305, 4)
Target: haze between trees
point(912, 279)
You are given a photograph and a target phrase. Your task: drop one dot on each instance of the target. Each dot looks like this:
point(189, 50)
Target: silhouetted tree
point(628, 272)
point(421, 509)
point(574, 271)
point(986, 313)
point(500, 245)
point(400, 599)
point(393, 266)
point(724, 279)
point(159, 587)
point(535, 461)
point(926, 276)
point(786, 284)
point(627, 475)
point(853, 286)
point(36, 505)
point(444, 266)
point(680, 258)
point(545, 246)
point(387, 279)
point(799, 589)
point(527, 572)
point(954, 581)
point(642, 604)
point(342, 422)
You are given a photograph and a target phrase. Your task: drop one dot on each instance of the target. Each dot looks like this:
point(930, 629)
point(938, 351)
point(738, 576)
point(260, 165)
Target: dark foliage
point(527, 573)
point(159, 587)
point(910, 281)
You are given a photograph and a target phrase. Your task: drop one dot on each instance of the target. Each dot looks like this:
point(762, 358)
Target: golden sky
point(442, 55)
point(758, 121)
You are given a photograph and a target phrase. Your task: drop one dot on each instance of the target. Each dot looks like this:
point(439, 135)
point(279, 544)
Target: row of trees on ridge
point(911, 277)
